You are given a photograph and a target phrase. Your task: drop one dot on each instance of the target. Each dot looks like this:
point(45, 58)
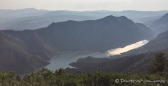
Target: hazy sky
point(81, 5)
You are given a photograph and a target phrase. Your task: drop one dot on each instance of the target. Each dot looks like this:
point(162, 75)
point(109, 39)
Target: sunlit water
point(127, 48)
point(62, 60)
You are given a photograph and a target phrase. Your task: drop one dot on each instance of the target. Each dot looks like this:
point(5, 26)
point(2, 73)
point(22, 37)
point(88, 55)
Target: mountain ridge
point(33, 19)
point(160, 25)
point(14, 55)
point(93, 25)
point(94, 35)
point(137, 61)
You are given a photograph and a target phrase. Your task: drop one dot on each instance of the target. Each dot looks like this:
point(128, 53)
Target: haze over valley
point(62, 60)
point(99, 35)
point(83, 34)
point(31, 18)
point(114, 36)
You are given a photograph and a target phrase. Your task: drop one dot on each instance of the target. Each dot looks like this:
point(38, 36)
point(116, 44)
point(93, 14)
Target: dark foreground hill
point(92, 35)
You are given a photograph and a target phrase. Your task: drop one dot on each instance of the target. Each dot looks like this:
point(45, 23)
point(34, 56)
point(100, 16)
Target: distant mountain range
point(20, 13)
point(36, 47)
point(94, 35)
point(33, 19)
point(160, 25)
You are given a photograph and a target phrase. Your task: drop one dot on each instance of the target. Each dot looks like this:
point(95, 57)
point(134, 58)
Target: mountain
point(139, 63)
point(98, 35)
point(31, 18)
point(158, 44)
point(94, 35)
point(160, 25)
point(138, 60)
point(10, 19)
point(36, 44)
point(20, 13)
point(35, 22)
point(134, 15)
point(40, 45)
point(14, 56)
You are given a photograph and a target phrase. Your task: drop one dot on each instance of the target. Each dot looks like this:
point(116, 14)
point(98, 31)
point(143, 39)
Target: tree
point(160, 64)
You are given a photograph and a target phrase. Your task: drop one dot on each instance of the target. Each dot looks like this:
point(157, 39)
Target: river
point(62, 60)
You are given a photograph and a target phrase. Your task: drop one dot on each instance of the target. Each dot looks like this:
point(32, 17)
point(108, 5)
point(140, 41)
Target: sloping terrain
point(160, 25)
point(159, 44)
point(94, 35)
point(35, 47)
point(139, 63)
point(14, 56)
point(138, 60)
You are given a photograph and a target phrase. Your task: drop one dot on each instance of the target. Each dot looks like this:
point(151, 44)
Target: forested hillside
point(91, 35)
point(14, 56)
point(94, 35)
point(157, 76)
point(137, 60)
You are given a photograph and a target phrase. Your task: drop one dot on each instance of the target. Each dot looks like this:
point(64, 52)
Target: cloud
point(127, 48)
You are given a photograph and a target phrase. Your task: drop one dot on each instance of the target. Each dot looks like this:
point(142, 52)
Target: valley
point(83, 42)
point(104, 39)
point(63, 59)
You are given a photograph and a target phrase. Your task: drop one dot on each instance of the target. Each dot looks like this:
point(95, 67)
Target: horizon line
point(82, 10)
